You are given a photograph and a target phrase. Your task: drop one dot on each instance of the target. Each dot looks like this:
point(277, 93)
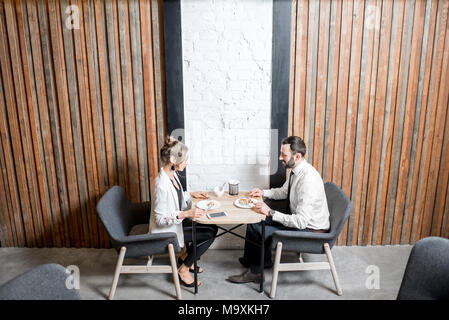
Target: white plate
point(248, 206)
point(203, 204)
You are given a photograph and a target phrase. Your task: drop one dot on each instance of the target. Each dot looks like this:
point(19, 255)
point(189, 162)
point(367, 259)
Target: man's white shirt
point(308, 202)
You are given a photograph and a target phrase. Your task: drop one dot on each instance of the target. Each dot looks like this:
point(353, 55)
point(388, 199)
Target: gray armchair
point(426, 275)
point(45, 282)
point(308, 242)
point(119, 216)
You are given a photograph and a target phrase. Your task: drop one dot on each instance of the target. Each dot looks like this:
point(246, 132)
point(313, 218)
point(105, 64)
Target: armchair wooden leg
point(118, 266)
point(277, 261)
point(174, 268)
point(333, 270)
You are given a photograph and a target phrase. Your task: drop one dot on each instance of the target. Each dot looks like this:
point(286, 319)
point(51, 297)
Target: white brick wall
point(227, 93)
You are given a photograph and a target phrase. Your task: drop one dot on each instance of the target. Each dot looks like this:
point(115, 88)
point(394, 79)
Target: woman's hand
point(199, 195)
point(193, 213)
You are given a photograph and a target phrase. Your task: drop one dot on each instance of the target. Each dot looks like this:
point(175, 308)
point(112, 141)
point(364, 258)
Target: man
point(304, 208)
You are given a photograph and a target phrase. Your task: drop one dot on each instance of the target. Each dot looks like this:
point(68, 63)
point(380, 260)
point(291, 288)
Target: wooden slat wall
point(79, 112)
point(369, 94)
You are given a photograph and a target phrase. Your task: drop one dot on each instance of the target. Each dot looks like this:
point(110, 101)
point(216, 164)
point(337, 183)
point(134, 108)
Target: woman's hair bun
point(170, 141)
point(173, 147)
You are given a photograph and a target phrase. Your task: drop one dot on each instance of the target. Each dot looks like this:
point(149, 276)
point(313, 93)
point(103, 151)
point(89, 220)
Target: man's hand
point(199, 195)
point(256, 192)
point(261, 207)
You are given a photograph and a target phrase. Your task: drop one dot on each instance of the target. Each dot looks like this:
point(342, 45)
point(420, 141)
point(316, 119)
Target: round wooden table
point(236, 216)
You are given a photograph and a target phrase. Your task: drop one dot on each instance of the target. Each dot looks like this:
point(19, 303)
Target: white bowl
point(218, 191)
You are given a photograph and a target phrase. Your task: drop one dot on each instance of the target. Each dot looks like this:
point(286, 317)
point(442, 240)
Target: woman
point(172, 208)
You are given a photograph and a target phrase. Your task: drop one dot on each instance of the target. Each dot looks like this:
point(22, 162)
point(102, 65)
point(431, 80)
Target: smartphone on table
point(217, 215)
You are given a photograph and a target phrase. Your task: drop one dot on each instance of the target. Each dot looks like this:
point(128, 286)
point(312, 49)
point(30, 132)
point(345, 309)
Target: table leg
point(194, 255)
point(262, 256)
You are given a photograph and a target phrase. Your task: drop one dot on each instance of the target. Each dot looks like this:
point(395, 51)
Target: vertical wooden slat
point(105, 92)
point(77, 234)
point(370, 97)
point(352, 110)
point(115, 79)
point(443, 172)
point(159, 67)
point(7, 232)
point(382, 222)
point(85, 117)
point(49, 116)
point(96, 129)
point(75, 102)
point(421, 108)
point(342, 93)
point(379, 112)
point(445, 226)
point(128, 98)
point(136, 53)
point(342, 97)
point(400, 105)
point(148, 80)
point(362, 121)
point(332, 89)
point(408, 119)
point(321, 84)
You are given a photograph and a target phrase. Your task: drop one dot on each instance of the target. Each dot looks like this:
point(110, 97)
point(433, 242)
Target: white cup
point(219, 191)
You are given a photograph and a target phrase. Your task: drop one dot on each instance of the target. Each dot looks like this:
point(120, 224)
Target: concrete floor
point(97, 267)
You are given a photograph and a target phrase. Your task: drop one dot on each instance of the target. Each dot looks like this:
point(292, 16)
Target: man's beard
point(290, 164)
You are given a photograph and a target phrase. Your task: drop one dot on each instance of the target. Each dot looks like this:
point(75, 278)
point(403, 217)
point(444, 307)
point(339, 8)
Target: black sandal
point(180, 262)
point(188, 285)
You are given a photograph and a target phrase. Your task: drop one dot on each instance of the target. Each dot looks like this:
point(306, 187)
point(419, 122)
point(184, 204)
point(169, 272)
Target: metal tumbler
point(233, 187)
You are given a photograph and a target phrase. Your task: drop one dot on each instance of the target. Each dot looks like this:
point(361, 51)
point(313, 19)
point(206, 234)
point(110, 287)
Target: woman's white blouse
point(165, 207)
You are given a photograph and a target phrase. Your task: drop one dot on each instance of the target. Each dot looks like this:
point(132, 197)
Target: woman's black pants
point(205, 236)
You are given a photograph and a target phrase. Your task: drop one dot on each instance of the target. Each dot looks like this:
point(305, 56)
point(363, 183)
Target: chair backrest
point(114, 212)
point(339, 208)
point(426, 275)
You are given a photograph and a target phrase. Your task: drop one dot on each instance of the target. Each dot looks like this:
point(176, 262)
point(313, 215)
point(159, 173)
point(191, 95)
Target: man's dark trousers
point(251, 255)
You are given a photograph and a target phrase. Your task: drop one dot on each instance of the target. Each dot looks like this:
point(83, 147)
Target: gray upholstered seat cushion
point(45, 282)
point(426, 276)
point(299, 241)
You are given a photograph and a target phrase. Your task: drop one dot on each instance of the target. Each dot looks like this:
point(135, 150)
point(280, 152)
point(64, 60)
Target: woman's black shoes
point(180, 262)
point(188, 285)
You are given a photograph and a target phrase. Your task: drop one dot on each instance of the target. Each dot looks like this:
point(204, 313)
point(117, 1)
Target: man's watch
point(272, 212)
